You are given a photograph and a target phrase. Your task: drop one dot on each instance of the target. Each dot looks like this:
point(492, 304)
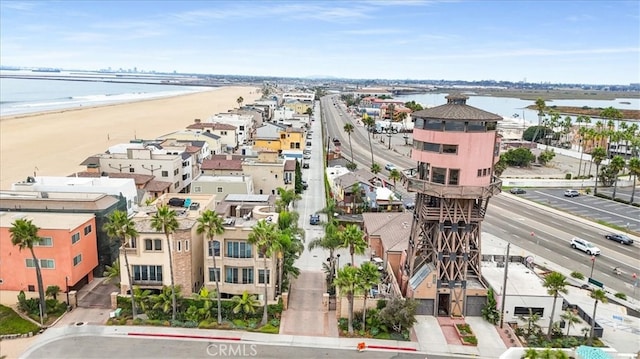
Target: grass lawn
point(12, 323)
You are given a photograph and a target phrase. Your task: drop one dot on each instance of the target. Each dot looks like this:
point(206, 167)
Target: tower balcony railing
point(414, 184)
point(434, 213)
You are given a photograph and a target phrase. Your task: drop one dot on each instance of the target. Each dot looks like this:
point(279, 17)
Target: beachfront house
point(239, 265)
point(67, 252)
point(270, 171)
point(209, 143)
point(148, 253)
point(224, 135)
point(171, 168)
point(243, 123)
point(222, 186)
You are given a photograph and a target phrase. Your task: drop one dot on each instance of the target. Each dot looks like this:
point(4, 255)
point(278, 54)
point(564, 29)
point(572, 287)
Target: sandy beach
point(55, 143)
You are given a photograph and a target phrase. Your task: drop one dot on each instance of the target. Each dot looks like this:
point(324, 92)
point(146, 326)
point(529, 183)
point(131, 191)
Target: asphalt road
point(100, 347)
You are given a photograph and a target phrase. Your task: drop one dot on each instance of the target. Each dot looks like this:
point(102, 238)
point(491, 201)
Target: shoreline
point(54, 143)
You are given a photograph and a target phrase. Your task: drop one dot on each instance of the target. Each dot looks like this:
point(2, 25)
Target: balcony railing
point(448, 191)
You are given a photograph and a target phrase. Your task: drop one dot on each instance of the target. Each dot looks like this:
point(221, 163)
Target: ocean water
point(23, 96)
point(515, 107)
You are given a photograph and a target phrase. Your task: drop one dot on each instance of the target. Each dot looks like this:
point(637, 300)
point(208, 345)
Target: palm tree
point(164, 220)
point(52, 291)
point(597, 156)
point(206, 296)
point(347, 282)
point(600, 296)
point(555, 283)
point(331, 241)
point(24, 234)
point(246, 304)
point(120, 226)
point(570, 318)
point(394, 175)
point(353, 238)
point(240, 100)
point(165, 300)
point(368, 277)
point(611, 114)
point(210, 223)
point(141, 297)
point(616, 165)
point(369, 123)
point(348, 128)
point(112, 273)
point(634, 170)
point(375, 168)
point(286, 197)
point(264, 236)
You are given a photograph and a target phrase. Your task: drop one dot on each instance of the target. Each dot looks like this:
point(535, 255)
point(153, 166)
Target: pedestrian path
point(305, 314)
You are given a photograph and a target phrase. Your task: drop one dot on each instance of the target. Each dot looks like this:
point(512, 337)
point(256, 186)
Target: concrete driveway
point(96, 294)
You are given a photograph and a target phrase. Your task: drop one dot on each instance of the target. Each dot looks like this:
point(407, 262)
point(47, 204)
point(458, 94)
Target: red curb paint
point(391, 348)
point(183, 336)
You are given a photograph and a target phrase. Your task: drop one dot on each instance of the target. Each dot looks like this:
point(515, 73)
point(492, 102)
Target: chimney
point(197, 120)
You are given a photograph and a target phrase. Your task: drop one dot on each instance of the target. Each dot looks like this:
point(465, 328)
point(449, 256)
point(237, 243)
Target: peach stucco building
point(68, 253)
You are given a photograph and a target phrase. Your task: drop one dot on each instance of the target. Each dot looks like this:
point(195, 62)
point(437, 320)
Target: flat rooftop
point(46, 220)
point(521, 281)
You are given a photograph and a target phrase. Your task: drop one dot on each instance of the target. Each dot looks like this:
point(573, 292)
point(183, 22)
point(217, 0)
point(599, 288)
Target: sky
point(541, 41)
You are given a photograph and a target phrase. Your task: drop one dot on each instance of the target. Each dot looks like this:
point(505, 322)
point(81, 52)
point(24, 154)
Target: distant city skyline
point(587, 42)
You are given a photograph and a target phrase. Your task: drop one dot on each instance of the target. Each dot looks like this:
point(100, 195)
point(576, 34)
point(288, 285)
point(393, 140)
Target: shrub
point(577, 275)
point(275, 322)
point(269, 329)
point(621, 296)
point(567, 176)
point(190, 324)
point(381, 304)
point(239, 323)
point(470, 340)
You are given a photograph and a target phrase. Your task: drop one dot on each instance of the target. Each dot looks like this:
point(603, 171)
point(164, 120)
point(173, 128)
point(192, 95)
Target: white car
point(389, 167)
point(585, 246)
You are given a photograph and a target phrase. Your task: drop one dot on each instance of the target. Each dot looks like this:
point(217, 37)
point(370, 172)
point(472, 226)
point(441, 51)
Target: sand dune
point(55, 143)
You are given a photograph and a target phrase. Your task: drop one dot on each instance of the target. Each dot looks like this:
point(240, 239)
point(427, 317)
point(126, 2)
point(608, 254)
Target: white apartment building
point(243, 123)
point(222, 186)
point(104, 185)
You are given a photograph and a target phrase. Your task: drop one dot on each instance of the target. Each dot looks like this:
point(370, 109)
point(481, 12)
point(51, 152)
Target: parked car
point(622, 238)
point(307, 156)
point(585, 246)
point(389, 167)
point(571, 193)
point(314, 219)
point(305, 164)
point(305, 185)
point(517, 191)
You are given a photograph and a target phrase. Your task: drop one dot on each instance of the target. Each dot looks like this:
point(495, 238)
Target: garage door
point(475, 305)
point(425, 307)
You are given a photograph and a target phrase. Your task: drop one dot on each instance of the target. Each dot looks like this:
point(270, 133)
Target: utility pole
point(504, 286)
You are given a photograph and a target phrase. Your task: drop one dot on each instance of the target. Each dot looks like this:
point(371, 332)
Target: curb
point(182, 336)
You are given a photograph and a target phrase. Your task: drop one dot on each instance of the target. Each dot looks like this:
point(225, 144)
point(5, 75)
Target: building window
point(77, 259)
point(147, 273)
point(212, 272)
point(454, 177)
point(152, 244)
point(431, 147)
point(219, 189)
point(525, 311)
point(237, 249)
point(44, 242)
point(75, 238)
point(475, 126)
point(491, 126)
point(186, 245)
point(479, 173)
point(176, 171)
point(419, 124)
point(231, 275)
point(454, 126)
point(87, 230)
point(133, 243)
point(31, 288)
point(179, 246)
point(262, 279)
point(438, 175)
point(484, 172)
point(435, 125)
point(176, 185)
point(132, 170)
point(450, 149)
point(214, 247)
point(197, 189)
point(44, 263)
point(247, 275)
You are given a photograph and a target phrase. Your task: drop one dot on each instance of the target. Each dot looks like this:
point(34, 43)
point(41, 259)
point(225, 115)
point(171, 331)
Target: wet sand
point(55, 143)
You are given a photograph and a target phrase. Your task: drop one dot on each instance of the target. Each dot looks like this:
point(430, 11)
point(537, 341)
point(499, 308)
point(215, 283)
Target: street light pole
point(593, 263)
point(66, 283)
point(504, 286)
